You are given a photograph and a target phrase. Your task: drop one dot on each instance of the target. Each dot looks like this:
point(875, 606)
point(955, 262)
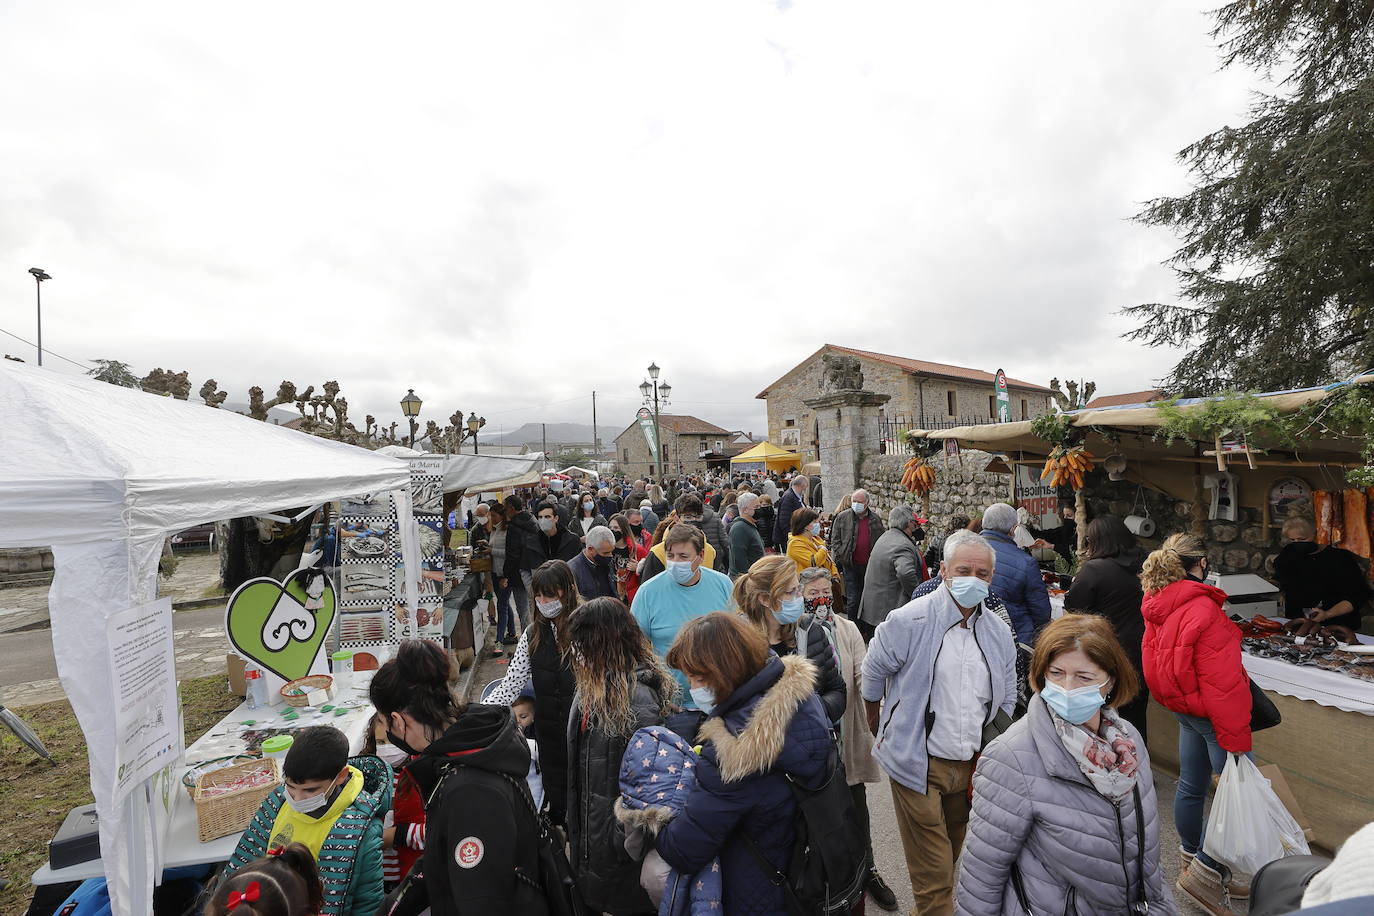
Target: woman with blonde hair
point(1191, 657)
point(1064, 815)
point(622, 686)
point(769, 595)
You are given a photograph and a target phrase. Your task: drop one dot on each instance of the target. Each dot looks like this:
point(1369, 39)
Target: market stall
point(103, 474)
point(765, 457)
point(1235, 485)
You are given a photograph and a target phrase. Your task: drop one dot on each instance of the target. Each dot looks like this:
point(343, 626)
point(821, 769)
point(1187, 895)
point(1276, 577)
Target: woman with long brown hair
point(541, 656)
point(622, 686)
point(769, 595)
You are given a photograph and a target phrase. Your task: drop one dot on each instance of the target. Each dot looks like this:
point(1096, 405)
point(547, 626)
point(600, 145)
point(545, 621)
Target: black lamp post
point(39, 275)
point(475, 423)
point(410, 406)
point(657, 392)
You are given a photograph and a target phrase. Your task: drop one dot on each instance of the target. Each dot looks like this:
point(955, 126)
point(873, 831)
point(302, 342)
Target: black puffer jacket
point(1110, 586)
point(606, 875)
point(521, 552)
point(711, 526)
point(820, 650)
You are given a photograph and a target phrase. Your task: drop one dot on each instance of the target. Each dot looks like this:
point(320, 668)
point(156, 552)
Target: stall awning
point(480, 472)
point(767, 455)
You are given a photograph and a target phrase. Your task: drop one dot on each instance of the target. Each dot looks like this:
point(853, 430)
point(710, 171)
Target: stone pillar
point(848, 421)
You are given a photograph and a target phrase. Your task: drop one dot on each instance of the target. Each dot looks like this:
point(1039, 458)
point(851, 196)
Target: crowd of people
point(694, 663)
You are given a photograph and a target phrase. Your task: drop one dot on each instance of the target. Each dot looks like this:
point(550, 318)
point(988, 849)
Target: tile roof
point(1130, 397)
point(684, 425)
point(920, 367)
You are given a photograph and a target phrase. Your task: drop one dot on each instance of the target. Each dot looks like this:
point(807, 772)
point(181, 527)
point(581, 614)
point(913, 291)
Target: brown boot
point(1207, 888)
point(1240, 893)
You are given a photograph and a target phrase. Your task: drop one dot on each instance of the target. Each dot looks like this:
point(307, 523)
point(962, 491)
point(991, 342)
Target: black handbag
point(1278, 887)
point(1263, 713)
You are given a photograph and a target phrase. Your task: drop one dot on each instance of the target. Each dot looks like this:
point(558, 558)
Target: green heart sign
point(269, 624)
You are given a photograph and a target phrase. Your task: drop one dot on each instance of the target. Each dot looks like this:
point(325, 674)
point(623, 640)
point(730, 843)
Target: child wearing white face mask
point(334, 806)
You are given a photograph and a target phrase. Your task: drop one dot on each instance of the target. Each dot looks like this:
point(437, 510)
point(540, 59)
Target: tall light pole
point(410, 406)
point(475, 423)
point(39, 275)
point(657, 392)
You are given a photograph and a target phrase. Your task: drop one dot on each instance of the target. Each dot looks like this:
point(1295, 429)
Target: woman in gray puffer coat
point(1064, 815)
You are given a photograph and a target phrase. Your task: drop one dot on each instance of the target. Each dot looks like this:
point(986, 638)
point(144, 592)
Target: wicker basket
point(231, 812)
point(194, 772)
point(297, 692)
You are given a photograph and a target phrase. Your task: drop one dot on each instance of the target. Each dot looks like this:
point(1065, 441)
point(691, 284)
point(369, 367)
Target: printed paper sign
point(143, 681)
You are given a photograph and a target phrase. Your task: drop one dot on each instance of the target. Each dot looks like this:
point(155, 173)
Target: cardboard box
point(233, 667)
point(1285, 794)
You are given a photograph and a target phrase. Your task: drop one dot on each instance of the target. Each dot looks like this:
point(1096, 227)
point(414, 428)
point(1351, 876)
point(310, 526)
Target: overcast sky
point(508, 205)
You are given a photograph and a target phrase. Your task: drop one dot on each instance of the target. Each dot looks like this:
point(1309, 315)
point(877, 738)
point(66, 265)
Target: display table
point(1323, 744)
point(183, 845)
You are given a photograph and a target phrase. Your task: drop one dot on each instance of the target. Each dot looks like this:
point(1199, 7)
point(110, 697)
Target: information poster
point(1037, 496)
point(143, 680)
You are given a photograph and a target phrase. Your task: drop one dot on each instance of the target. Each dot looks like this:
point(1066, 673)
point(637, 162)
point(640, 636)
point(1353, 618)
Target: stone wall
point(962, 488)
point(791, 424)
point(1242, 546)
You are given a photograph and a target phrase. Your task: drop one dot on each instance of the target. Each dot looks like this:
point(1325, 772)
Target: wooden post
point(1080, 517)
point(1199, 526)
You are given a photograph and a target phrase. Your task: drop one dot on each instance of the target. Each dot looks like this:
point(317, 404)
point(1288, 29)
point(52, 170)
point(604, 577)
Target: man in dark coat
point(554, 541)
point(591, 568)
point(690, 510)
point(790, 502)
point(853, 535)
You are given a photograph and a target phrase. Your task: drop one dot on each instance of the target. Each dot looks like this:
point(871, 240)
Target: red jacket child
point(407, 815)
point(1191, 656)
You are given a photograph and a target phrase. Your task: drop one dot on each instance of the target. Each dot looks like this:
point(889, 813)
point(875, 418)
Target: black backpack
point(829, 864)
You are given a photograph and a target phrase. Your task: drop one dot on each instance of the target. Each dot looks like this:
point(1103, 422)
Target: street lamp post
point(657, 392)
point(39, 275)
point(410, 406)
point(475, 423)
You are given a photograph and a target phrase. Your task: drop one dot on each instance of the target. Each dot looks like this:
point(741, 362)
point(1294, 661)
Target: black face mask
point(398, 742)
point(1304, 548)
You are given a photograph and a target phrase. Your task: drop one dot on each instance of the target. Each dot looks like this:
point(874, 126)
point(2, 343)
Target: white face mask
point(550, 608)
point(859, 508)
point(546, 525)
point(680, 570)
point(308, 805)
point(392, 754)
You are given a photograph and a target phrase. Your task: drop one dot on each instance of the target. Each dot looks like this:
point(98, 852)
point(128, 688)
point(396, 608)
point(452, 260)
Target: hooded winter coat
point(1033, 807)
point(1191, 655)
point(771, 727)
point(351, 858)
point(480, 825)
point(711, 526)
point(606, 875)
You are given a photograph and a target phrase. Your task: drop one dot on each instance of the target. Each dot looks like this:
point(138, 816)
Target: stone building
point(687, 443)
point(922, 394)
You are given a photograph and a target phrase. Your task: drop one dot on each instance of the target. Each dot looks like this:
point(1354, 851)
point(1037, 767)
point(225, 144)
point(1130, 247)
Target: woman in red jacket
point(1191, 656)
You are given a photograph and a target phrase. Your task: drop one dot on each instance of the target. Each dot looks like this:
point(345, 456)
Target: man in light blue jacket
point(937, 672)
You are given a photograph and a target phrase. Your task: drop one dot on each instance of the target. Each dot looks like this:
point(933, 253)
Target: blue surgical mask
point(790, 610)
point(680, 570)
point(704, 698)
point(859, 508)
point(815, 528)
point(968, 591)
point(1074, 706)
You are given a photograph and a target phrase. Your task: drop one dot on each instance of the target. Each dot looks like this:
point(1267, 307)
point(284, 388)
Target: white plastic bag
point(1248, 826)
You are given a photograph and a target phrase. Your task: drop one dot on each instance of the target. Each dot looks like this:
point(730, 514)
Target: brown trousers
point(933, 826)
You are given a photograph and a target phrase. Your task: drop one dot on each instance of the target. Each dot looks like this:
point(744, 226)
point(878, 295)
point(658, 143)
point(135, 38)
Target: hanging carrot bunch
point(918, 476)
point(1068, 466)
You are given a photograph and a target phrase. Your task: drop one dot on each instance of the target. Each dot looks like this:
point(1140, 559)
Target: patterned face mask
point(822, 608)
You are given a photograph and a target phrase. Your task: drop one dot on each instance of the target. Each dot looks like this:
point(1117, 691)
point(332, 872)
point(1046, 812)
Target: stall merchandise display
point(1327, 648)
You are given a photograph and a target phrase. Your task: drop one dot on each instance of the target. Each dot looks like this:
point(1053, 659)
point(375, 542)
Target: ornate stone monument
point(847, 417)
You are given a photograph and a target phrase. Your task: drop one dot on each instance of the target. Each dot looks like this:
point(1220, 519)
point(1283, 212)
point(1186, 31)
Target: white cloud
point(506, 206)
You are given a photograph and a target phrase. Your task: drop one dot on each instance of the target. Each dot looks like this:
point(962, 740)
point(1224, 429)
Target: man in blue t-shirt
point(685, 591)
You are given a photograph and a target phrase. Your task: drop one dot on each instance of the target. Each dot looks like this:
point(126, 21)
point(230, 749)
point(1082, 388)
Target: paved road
point(29, 674)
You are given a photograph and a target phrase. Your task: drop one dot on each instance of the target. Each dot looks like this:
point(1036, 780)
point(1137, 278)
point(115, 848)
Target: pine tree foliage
point(1276, 266)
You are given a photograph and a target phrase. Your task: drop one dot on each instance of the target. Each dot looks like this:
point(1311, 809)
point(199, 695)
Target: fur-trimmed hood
point(753, 742)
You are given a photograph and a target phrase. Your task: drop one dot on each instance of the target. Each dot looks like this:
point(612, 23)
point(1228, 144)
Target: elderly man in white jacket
point(937, 673)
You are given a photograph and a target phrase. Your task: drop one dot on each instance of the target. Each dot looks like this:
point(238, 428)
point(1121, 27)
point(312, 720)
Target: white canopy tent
point(102, 474)
point(480, 472)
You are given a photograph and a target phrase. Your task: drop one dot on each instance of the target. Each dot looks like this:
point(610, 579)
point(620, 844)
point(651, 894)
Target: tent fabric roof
point(85, 461)
point(916, 367)
point(766, 451)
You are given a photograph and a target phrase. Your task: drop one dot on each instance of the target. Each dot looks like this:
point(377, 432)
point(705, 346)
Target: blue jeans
point(510, 607)
point(1199, 756)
